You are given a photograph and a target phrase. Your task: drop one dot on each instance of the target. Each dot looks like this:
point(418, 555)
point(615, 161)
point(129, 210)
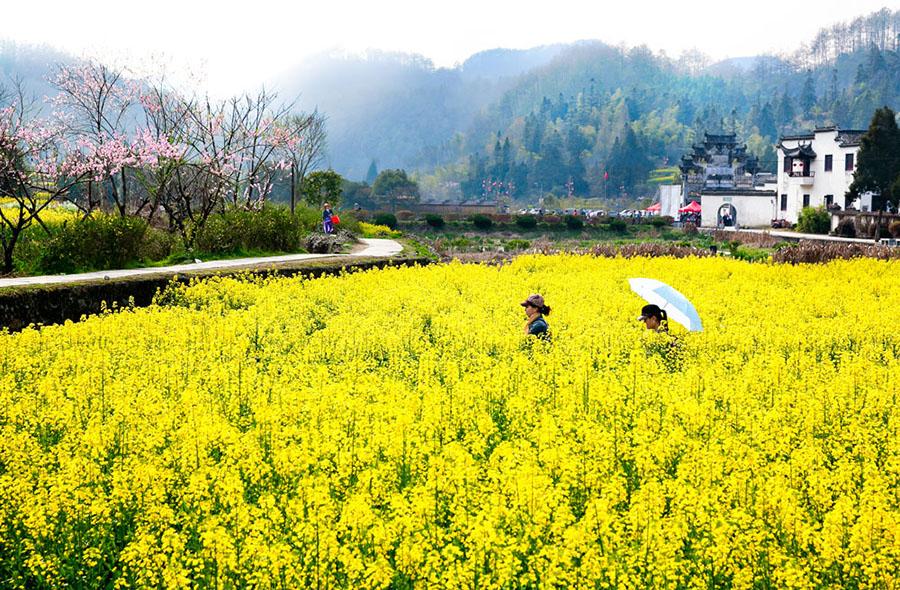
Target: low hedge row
point(104, 242)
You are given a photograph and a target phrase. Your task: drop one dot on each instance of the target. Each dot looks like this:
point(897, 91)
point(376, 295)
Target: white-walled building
point(743, 208)
point(669, 199)
point(816, 169)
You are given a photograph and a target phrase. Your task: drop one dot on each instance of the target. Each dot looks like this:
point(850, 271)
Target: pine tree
point(372, 173)
point(785, 111)
point(878, 164)
point(550, 168)
point(808, 96)
point(628, 161)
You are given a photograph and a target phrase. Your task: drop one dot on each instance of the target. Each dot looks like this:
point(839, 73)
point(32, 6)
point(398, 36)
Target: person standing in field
point(535, 310)
point(327, 213)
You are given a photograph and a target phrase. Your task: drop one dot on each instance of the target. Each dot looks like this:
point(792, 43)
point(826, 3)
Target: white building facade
point(816, 169)
point(747, 208)
point(670, 199)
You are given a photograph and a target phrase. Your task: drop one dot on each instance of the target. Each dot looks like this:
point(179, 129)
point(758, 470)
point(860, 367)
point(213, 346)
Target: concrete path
point(792, 235)
point(370, 248)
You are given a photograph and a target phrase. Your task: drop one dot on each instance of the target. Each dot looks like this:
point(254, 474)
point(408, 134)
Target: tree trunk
point(124, 206)
point(7, 261)
point(293, 187)
point(8, 248)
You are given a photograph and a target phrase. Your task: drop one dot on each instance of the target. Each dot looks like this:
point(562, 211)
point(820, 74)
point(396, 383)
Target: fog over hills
point(398, 109)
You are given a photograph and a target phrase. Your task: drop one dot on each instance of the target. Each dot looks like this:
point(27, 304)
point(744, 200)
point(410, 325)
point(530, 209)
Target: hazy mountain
point(398, 109)
point(500, 63)
point(734, 66)
point(31, 64)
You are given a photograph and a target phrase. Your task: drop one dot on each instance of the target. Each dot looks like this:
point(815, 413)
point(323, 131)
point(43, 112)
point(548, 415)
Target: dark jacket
point(539, 328)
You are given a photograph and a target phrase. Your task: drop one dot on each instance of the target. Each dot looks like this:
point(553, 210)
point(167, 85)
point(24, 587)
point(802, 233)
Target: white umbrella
point(677, 306)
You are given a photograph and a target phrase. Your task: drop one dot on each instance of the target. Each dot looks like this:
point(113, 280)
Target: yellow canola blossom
point(371, 230)
point(395, 429)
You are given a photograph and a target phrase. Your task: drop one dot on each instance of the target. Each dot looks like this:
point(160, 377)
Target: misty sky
point(232, 46)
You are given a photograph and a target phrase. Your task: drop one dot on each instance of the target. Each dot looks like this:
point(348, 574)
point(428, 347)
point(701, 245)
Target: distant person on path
point(327, 213)
point(535, 310)
point(654, 318)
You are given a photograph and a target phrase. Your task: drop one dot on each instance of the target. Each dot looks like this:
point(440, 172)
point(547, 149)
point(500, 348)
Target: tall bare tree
point(303, 148)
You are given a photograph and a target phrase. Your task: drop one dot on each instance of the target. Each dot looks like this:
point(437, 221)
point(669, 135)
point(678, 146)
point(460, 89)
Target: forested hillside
point(597, 110)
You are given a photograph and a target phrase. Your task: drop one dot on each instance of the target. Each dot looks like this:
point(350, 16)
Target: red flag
point(606, 176)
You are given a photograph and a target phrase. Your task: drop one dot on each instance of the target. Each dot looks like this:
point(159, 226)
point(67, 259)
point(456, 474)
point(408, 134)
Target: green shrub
point(271, 229)
point(435, 221)
point(388, 219)
point(526, 221)
point(617, 225)
point(574, 222)
point(661, 221)
point(482, 222)
point(460, 243)
point(846, 228)
point(310, 218)
point(349, 221)
point(750, 254)
point(814, 221)
point(517, 245)
point(102, 242)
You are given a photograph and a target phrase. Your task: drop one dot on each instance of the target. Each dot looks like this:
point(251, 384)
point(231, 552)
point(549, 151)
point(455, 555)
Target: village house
point(816, 169)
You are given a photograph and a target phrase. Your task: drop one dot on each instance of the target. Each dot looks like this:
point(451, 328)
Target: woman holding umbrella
point(654, 318)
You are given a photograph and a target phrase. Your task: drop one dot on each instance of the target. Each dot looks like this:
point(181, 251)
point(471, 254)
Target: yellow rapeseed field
point(394, 428)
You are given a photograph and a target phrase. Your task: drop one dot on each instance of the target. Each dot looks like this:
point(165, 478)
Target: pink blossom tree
point(31, 170)
point(95, 102)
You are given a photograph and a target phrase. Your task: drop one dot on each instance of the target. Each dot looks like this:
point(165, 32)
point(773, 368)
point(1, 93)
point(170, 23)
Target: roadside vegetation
point(66, 241)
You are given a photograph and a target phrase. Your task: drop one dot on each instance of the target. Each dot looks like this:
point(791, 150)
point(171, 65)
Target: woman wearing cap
point(654, 318)
point(327, 213)
point(535, 310)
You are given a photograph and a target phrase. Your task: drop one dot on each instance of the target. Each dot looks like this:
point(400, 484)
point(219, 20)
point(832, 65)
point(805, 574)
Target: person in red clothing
point(327, 214)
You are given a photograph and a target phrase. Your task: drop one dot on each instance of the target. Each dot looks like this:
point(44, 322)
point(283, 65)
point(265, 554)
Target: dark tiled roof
point(801, 151)
point(849, 137)
point(796, 137)
point(726, 138)
point(737, 192)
